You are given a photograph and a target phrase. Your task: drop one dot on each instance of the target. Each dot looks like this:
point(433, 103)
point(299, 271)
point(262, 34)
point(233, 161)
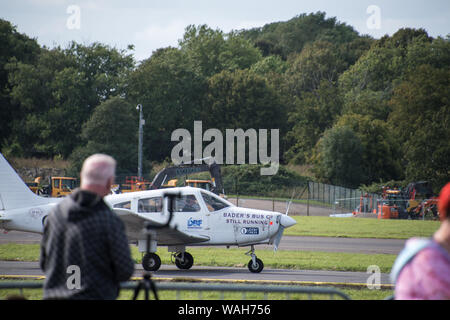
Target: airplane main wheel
point(185, 263)
point(151, 262)
point(257, 267)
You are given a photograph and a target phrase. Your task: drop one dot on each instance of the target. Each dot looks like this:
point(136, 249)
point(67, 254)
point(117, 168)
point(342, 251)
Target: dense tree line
point(359, 110)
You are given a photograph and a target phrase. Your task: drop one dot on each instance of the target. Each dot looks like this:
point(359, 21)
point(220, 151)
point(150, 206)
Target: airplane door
point(189, 214)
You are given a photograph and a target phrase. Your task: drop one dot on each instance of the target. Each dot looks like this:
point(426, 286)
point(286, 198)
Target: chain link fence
point(313, 194)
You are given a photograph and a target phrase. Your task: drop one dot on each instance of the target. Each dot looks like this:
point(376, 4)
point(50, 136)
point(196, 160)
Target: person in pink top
point(422, 270)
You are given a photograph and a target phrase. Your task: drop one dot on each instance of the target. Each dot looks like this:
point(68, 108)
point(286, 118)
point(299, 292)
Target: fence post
point(307, 202)
point(237, 192)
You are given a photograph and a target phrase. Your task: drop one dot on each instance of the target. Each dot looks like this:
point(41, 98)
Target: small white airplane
point(200, 218)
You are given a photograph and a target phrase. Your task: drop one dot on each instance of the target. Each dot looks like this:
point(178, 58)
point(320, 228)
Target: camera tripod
point(147, 284)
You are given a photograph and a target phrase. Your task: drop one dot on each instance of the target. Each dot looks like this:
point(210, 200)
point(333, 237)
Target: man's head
point(444, 202)
point(97, 173)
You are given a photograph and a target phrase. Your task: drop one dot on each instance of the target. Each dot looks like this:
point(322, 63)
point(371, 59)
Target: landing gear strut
point(255, 265)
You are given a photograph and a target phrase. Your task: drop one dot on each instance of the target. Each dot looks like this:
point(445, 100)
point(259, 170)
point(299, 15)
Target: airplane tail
point(14, 193)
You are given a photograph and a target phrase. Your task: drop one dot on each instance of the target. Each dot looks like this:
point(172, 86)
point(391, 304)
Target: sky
point(153, 24)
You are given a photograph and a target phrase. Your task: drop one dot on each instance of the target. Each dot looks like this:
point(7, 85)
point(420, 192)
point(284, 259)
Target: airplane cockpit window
point(214, 203)
point(123, 205)
point(153, 204)
point(186, 203)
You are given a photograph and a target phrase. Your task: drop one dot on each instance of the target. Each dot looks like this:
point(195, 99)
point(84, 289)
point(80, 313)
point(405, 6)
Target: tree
point(269, 66)
point(288, 37)
point(19, 48)
point(242, 99)
point(367, 102)
point(317, 62)
point(310, 116)
point(57, 93)
point(172, 95)
point(420, 117)
point(211, 51)
point(385, 62)
point(31, 92)
point(339, 157)
point(105, 68)
point(381, 157)
point(110, 130)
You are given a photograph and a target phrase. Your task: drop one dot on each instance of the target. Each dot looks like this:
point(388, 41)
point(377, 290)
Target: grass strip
point(361, 228)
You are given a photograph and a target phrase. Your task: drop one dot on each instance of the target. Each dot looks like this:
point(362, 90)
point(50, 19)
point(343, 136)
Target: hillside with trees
point(358, 110)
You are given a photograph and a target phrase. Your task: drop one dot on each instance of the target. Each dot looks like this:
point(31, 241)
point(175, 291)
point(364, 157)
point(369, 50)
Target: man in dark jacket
point(84, 249)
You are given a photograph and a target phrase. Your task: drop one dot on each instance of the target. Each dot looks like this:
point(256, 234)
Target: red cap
point(444, 202)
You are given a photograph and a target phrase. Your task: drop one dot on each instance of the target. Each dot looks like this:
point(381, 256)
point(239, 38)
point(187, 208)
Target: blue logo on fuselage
point(192, 223)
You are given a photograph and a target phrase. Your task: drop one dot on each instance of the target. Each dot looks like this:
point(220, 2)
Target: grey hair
point(98, 169)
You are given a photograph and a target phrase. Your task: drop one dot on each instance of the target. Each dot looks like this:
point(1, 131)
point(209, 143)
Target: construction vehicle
point(134, 183)
point(34, 186)
point(170, 184)
point(421, 202)
point(58, 187)
point(413, 202)
point(392, 204)
point(165, 177)
point(203, 184)
point(195, 183)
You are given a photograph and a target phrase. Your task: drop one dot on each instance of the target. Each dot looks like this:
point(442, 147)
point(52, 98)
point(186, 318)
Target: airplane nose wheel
point(255, 265)
point(151, 262)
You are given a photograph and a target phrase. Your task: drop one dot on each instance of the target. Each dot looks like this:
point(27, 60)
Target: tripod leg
point(136, 291)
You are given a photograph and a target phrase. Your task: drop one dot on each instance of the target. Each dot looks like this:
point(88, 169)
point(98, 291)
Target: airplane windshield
point(214, 203)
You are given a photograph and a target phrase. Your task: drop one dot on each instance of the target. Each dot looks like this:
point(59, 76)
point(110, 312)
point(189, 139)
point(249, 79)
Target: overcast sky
point(153, 24)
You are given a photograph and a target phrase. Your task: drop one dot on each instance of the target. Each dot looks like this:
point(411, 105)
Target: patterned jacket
point(84, 249)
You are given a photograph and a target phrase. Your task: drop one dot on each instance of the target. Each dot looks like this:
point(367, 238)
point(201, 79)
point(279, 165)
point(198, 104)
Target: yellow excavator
point(165, 178)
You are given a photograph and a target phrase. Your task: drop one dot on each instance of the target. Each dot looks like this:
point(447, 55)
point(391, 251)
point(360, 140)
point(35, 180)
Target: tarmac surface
point(240, 274)
point(21, 269)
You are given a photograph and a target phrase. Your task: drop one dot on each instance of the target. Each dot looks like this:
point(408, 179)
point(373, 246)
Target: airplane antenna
point(289, 203)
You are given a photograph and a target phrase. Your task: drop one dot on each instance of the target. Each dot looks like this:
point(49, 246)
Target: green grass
point(361, 228)
point(19, 252)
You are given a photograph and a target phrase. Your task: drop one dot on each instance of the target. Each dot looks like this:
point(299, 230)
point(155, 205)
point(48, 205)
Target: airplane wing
point(135, 222)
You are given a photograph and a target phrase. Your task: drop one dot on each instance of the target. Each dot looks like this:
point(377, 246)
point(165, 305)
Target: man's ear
point(110, 183)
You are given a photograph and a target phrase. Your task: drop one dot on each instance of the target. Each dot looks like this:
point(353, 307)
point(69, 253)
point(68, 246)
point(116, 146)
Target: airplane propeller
point(285, 222)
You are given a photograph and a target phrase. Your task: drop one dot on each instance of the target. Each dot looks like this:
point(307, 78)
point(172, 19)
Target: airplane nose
point(287, 221)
